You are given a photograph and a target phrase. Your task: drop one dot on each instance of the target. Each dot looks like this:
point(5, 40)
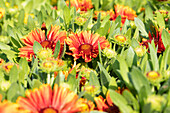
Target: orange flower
point(83, 5)
point(86, 106)
point(2, 12)
point(125, 12)
point(85, 44)
point(46, 100)
point(157, 40)
point(8, 107)
point(107, 104)
point(8, 66)
point(105, 13)
point(52, 38)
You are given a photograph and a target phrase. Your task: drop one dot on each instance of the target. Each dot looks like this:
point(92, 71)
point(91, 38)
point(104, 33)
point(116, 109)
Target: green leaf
point(13, 74)
point(139, 80)
point(61, 4)
point(148, 12)
point(31, 23)
point(160, 20)
point(154, 59)
point(24, 70)
point(12, 91)
point(123, 69)
point(120, 101)
point(29, 6)
point(118, 20)
point(57, 49)
point(37, 47)
point(2, 4)
point(140, 25)
point(100, 57)
point(36, 83)
point(60, 78)
point(97, 112)
point(126, 24)
point(165, 38)
point(131, 58)
point(104, 76)
point(93, 80)
point(67, 16)
point(10, 54)
point(131, 100)
point(86, 24)
point(21, 18)
point(4, 46)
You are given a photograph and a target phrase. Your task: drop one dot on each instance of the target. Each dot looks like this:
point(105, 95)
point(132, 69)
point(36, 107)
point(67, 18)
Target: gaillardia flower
point(85, 45)
point(126, 12)
point(1, 61)
point(8, 107)
point(83, 5)
point(8, 66)
point(53, 37)
point(157, 40)
point(154, 77)
point(46, 100)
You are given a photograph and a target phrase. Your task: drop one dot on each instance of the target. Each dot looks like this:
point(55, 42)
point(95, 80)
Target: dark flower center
point(48, 110)
point(86, 48)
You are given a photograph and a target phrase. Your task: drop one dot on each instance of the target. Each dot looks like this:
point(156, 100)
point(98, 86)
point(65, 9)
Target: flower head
point(157, 40)
point(8, 66)
point(153, 77)
point(109, 53)
point(85, 45)
point(53, 37)
point(83, 5)
point(126, 12)
point(140, 50)
point(44, 53)
point(46, 100)
point(8, 107)
point(51, 65)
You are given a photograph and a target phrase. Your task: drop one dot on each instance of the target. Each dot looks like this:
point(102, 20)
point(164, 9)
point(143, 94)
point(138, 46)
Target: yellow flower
point(2, 12)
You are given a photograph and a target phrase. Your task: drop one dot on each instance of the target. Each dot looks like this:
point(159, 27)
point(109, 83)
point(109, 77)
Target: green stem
point(52, 79)
point(48, 78)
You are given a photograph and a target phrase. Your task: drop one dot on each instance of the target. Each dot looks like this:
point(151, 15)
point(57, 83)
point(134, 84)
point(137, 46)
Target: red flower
point(157, 40)
point(83, 5)
point(52, 38)
point(85, 45)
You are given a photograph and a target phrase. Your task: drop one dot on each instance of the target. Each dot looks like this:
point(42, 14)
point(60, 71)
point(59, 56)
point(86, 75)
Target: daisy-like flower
point(53, 37)
point(107, 104)
point(46, 100)
point(2, 12)
point(8, 107)
point(86, 106)
point(8, 66)
point(157, 40)
point(125, 12)
point(154, 77)
point(85, 45)
point(83, 5)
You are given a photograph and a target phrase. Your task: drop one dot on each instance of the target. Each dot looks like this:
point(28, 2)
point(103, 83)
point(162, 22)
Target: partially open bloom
point(140, 51)
point(80, 20)
point(53, 37)
point(109, 53)
point(46, 100)
point(44, 53)
point(157, 40)
point(83, 5)
point(51, 65)
point(2, 12)
point(4, 85)
point(157, 102)
point(126, 12)
point(153, 76)
point(120, 39)
point(85, 45)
